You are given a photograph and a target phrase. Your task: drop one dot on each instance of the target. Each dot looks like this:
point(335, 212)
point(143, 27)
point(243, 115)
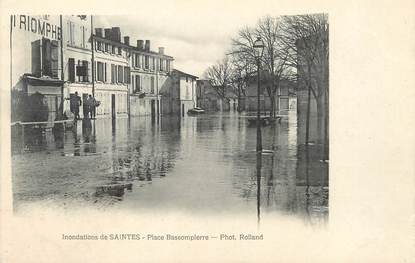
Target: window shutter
point(55, 58)
point(46, 57)
point(105, 72)
point(71, 70)
point(36, 58)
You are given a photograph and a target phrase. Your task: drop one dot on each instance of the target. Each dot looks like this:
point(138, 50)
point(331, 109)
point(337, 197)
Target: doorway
point(113, 113)
point(153, 109)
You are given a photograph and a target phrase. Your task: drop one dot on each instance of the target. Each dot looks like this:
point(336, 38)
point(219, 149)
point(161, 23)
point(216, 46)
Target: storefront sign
point(36, 26)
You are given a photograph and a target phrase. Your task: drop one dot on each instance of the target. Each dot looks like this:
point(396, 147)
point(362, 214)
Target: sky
point(195, 38)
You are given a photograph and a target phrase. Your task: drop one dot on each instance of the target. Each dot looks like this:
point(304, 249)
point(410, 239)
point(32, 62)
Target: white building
point(77, 59)
point(112, 72)
point(149, 73)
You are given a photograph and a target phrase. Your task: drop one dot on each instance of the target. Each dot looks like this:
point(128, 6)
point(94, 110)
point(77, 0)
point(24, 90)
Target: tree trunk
point(321, 125)
point(272, 109)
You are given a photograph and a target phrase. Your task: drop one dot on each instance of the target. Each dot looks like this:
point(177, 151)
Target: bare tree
point(219, 76)
point(241, 73)
point(306, 40)
point(274, 59)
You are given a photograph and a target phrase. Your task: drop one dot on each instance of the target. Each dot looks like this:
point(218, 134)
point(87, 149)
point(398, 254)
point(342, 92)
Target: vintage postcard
point(187, 131)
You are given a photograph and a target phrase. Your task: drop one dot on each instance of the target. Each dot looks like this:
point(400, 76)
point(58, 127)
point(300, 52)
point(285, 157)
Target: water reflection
point(204, 164)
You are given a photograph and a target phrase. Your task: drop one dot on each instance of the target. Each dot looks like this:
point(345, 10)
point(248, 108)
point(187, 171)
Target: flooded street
point(204, 164)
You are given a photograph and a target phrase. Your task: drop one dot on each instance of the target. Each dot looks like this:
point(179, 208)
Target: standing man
point(91, 104)
point(75, 102)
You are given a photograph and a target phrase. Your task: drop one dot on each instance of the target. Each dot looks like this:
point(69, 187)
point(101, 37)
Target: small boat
point(196, 110)
point(264, 121)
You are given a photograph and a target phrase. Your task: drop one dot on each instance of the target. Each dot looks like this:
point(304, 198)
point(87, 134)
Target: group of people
point(89, 106)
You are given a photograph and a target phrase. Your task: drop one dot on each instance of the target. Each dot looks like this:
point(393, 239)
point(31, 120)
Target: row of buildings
point(55, 56)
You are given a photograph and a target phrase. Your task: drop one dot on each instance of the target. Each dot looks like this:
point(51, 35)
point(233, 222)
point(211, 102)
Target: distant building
point(149, 76)
point(209, 99)
point(251, 100)
point(179, 94)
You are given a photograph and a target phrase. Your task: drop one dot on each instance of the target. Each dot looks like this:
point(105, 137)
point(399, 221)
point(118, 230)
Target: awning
point(43, 81)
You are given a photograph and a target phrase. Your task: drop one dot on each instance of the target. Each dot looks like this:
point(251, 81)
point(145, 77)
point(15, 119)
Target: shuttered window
point(71, 70)
point(113, 73)
point(137, 83)
point(100, 71)
point(152, 84)
point(127, 77)
point(120, 74)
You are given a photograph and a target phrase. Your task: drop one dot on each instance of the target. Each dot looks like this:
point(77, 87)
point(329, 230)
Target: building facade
point(208, 98)
point(77, 60)
point(36, 67)
point(54, 57)
point(112, 72)
point(149, 78)
point(179, 96)
point(250, 101)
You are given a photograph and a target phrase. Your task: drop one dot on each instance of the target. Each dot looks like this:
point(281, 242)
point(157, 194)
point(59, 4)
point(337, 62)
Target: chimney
point(116, 34)
point(140, 44)
point(147, 45)
point(161, 50)
point(98, 32)
point(108, 34)
point(127, 40)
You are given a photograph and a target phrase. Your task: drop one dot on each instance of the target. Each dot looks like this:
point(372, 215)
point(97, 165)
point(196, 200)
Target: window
point(113, 73)
point(137, 83)
point(71, 28)
point(120, 74)
point(127, 77)
point(101, 71)
point(168, 65)
point(83, 30)
point(71, 70)
point(113, 49)
point(107, 47)
point(45, 55)
point(152, 84)
point(146, 62)
point(99, 46)
point(82, 71)
point(161, 65)
point(153, 64)
point(137, 60)
point(119, 51)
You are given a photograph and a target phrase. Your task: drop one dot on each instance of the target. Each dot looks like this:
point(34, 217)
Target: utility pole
point(62, 64)
point(93, 58)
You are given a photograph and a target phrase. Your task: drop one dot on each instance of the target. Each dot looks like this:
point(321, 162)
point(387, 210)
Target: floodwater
point(204, 164)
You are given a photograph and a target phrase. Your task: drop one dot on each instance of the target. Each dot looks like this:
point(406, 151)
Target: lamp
point(258, 49)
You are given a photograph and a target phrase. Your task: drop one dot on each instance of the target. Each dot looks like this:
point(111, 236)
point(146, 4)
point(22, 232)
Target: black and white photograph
point(191, 127)
point(104, 116)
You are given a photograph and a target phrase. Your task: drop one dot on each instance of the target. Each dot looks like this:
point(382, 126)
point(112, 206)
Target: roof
point(110, 41)
point(103, 39)
point(150, 52)
point(184, 74)
point(43, 81)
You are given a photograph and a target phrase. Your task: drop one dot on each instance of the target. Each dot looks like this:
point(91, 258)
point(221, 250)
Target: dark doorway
point(153, 109)
point(113, 106)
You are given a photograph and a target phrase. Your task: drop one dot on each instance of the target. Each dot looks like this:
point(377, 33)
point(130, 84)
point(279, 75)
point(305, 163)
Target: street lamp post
point(258, 49)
